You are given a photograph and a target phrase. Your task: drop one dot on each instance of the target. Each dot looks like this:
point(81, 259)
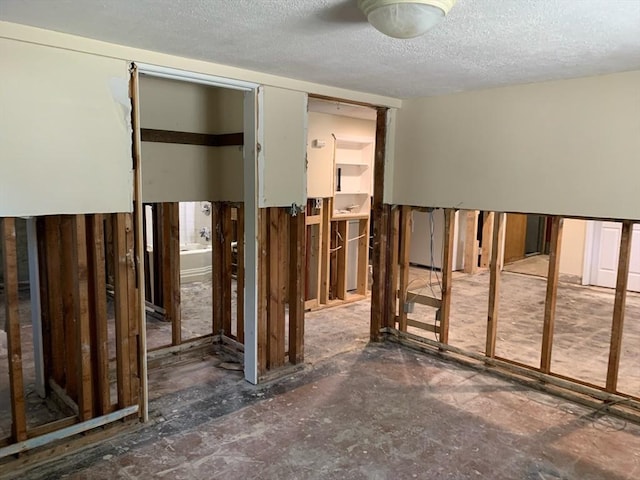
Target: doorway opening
point(527, 240)
point(341, 142)
point(192, 196)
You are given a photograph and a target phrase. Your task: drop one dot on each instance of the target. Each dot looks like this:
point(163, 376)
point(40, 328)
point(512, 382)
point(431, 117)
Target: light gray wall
point(567, 147)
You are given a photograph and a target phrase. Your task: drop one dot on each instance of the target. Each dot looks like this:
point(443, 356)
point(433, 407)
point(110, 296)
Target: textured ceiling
point(481, 43)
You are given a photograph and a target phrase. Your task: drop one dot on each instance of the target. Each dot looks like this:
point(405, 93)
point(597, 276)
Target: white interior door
point(606, 248)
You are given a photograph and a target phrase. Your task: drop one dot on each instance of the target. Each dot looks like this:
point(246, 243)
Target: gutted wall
point(65, 132)
point(567, 147)
point(320, 170)
point(175, 172)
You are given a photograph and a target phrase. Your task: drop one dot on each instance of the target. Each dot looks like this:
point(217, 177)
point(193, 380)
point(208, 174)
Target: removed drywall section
point(65, 132)
point(281, 171)
point(566, 147)
point(320, 167)
point(174, 172)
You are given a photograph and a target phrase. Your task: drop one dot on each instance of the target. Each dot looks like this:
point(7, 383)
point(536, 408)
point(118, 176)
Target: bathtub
point(195, 263)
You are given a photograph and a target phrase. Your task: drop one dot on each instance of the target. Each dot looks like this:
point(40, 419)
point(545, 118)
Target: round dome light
point(405, 18)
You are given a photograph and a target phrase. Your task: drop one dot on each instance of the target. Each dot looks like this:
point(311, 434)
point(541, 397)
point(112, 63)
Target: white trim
point(42, 440)
point(192, 77)
point(587, 261)
point(253, 160)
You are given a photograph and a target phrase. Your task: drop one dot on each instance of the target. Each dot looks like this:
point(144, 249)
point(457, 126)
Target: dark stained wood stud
point(240, 275)
point(297, 237)
point(96, 262)
point(83, 321)
point(170, 243)
point(122, 265)
point(56, 316)
point(12, 327)
point(69, 266)
point(227, 268)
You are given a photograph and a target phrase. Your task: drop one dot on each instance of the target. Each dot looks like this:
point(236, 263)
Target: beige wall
point(172, 173)
point(320, 171)
point(573, 245)
point(65, 132)
point(282, 134)
point(566, 147)
point(95, 47)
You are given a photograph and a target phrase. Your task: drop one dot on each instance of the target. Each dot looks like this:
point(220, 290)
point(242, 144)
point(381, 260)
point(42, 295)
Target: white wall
point(282, 168)
point(320, 170)
point(65, 132)
point(567, 147)
point(173, 172)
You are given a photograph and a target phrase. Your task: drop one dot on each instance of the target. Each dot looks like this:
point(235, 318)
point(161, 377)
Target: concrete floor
point(582, 326)
point(378, 412)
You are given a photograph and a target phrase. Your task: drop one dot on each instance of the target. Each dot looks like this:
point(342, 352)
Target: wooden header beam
point(189, 138)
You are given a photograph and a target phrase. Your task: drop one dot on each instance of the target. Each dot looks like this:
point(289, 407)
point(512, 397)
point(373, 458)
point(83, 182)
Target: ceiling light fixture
point(405, 18)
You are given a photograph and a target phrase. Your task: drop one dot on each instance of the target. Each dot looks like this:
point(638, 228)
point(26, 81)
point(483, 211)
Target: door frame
point(252, 157)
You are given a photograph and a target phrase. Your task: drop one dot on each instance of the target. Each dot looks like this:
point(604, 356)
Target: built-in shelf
point(353, 176)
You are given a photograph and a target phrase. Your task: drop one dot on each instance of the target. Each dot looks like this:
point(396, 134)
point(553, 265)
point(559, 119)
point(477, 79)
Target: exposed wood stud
point(342, 258)
point(393, 273)
point(405, 246)
point(217, 266)
point(98, 308)
point(494, 285)
point(487, 239)
point(121, 285)
point(82, 332)
point(447, 273)
point(240, 275)
point(68, 306)
point(471, 243)
point(156, 232)
point(325, 240)
point(44, 298)
point(227, 268)
point(263, 286)
point(12, 327)
point(552, 293)
point(617, 325)
point(56, 316)
point(276, 288)
point(171, 268)
point(297, 238)
point(363, 256)
point(380, 228)
point(134, 318)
